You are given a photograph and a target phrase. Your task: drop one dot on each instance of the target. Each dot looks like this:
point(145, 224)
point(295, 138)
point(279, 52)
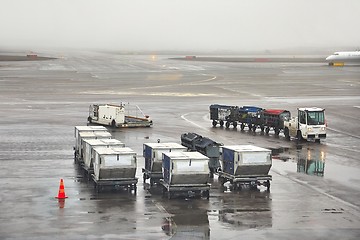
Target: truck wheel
point(227, 124)
point(221, 123)
point(214, 123)
point(299, 136)
point(286, 133)
point(113, 123)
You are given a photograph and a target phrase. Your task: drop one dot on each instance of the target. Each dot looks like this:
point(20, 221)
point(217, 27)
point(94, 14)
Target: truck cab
point(309, 124)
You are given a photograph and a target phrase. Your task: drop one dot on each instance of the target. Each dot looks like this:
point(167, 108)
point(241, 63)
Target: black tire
point(254, 128)
point(242, 126)
point(286, 133)
point(227, 124)
point(113, 123)
point(214, 123)
point(250, 126)
point(144, 177)
point(235, 124)
point(299, 136)
point(89, 119)
point(262, 128)
point(221, 123)
point(277, 131)
point(268, 185)
point(317, 140)
point(267, 130)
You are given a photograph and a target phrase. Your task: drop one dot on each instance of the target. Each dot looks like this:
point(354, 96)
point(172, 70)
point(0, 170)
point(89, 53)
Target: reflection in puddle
point(309, 160)
point(191, 225)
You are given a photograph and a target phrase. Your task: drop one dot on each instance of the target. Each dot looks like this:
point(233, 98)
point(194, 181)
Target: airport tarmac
point(42, 101)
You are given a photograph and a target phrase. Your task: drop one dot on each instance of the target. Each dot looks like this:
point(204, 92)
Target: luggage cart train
point(180, 169)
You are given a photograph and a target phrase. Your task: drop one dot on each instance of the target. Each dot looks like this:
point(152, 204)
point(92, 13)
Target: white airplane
point(343, 57)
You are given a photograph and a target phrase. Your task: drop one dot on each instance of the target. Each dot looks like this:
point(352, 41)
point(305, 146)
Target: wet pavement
point(315, 188)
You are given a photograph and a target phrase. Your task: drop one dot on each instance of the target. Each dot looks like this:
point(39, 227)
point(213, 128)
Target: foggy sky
point(203, 25)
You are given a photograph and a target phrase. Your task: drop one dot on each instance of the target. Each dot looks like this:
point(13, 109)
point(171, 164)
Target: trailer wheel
point(268, 185)
point(144, 177)
point(214, 123)
point(113, 123)
point(221, 123)
point(267, 130)
point(277, 131)
point(254, 128)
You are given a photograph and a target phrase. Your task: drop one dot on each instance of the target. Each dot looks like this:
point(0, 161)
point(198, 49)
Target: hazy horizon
point(180, 25)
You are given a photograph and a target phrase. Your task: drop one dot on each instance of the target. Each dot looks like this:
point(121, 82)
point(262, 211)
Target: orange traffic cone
point(61, 194)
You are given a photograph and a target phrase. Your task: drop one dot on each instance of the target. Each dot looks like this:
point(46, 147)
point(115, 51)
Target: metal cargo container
point(88, 154)
point(78, 130)
point(115, 166)
point(185, 168)
point(152, 153)
point(89, 135)
point(114, 163)
point(245, 160)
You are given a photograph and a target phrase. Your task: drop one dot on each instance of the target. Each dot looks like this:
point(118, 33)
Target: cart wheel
point(151, 182)
point(144, 177)
point(267, 130)
point(221, 123)
point(242, 126)
point(262, 128)
point(207, 194)
point(134, 188)
point(227, 124)
point(113, 123)
point(250, 126)
point(214, 123)
point(277, 131)
point(254, 128)
point(234, 124)
point(317, 140)
point(268, 185)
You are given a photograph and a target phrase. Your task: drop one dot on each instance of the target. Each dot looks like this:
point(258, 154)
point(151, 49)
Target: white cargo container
point(185, 172)
point(89, 135)
point(246, 164)
point(152, 153)
point(79, 129)
point(90, 144)
point(115, 166)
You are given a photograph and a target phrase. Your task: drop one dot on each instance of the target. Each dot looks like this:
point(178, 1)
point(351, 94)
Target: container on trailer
point(114, 163)
point(90, 135)
point(152, 153)
point(79, 129)
point(185, 168)
point(245, 160)
point(90, 144)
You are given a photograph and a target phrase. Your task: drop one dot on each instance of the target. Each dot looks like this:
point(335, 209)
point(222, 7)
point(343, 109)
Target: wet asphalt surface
point(315, 189)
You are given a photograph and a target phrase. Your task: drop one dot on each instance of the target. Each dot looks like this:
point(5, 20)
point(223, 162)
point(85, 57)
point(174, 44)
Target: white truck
point(309, 124)
point(118, 116)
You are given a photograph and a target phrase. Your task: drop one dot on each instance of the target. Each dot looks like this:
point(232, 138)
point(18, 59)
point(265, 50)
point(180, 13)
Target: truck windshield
point(315, 118)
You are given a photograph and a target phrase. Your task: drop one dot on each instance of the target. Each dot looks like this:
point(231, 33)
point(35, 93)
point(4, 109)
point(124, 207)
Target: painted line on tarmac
point(191, 122)
point(344, 133)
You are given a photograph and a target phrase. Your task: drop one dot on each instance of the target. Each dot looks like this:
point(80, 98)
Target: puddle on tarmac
point(310, 159)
